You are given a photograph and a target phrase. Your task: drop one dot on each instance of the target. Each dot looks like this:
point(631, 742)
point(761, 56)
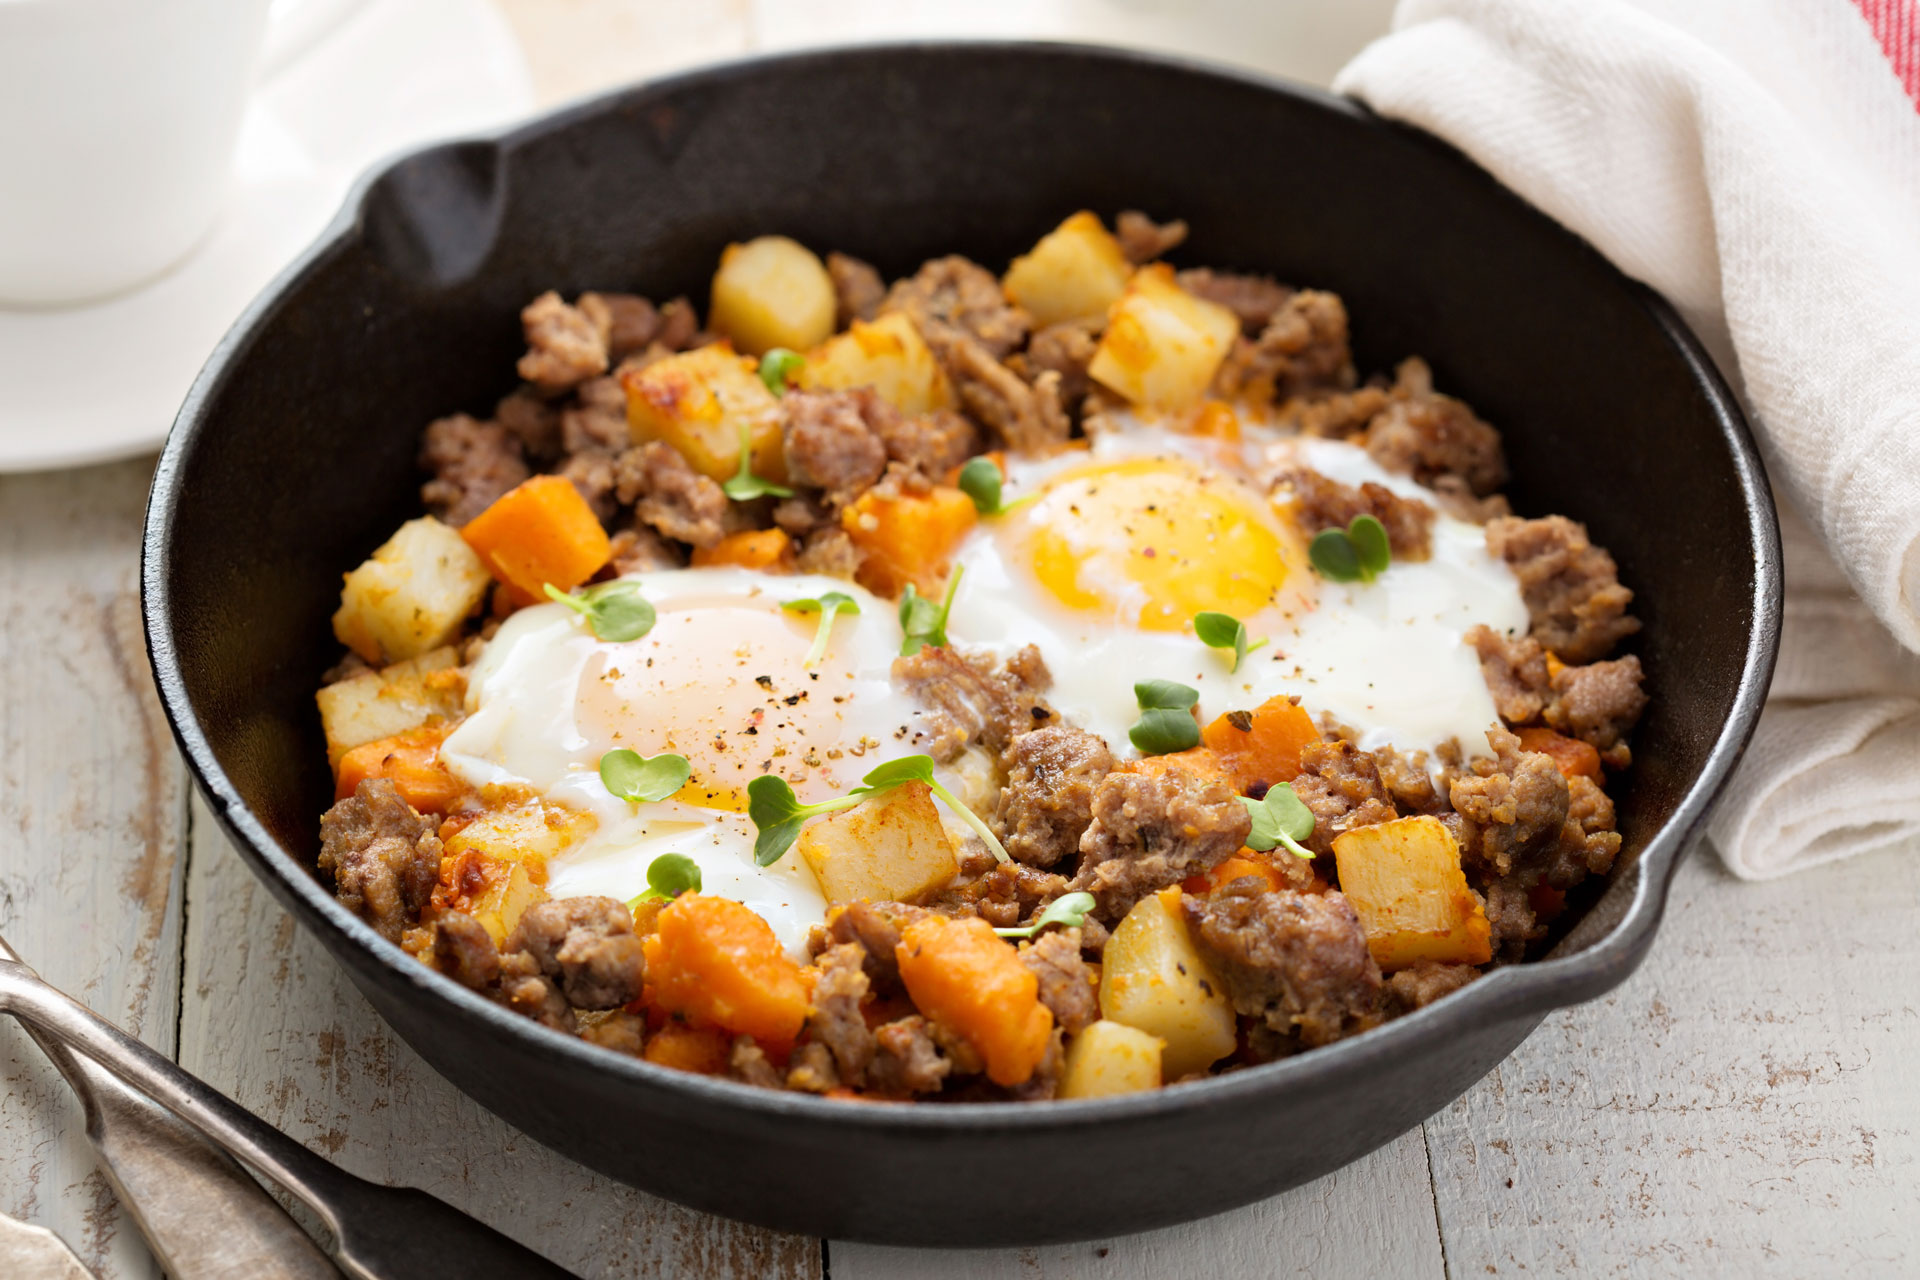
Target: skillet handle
point(379, 1233)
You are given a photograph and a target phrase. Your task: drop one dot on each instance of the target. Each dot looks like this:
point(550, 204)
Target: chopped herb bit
point(924, 622)
point(1241, 720)
point(828, 606)
point(632, 776)
point(1166, 718)
point(1280, 818)
point(1224, 631)
point(779, 368)
point(1068, 912)
point(615, 611)
point(778, 814)
point(669, 876)
point(746, 486)
point(1358, 553)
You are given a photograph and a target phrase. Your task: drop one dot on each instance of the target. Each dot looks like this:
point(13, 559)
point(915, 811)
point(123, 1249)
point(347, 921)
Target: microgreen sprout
point(632, 776)
point(1166, 717)
point(746, 486)
point(779, 367)
point(778, 814)
point(1279, 819)
point(1358, 553)
point(982, 480)
point(828, 606)
point(1068, 912)
point(923, 621)
point(669, 876)
point(1224, 631)
point(614, 610)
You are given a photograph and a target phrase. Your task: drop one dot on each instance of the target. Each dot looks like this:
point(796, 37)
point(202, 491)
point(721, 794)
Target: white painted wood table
point(1746, 1105)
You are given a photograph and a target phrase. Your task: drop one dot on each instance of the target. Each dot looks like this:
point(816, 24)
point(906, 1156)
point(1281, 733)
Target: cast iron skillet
point(294, 456)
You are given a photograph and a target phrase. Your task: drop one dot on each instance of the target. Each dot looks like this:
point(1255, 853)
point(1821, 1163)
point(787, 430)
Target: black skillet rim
point(1507, 994)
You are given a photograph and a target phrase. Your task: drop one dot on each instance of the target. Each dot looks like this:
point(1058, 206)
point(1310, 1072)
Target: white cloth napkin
point(1758, 162)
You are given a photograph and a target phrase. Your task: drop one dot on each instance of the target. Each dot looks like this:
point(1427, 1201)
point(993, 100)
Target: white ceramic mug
point(118, 120)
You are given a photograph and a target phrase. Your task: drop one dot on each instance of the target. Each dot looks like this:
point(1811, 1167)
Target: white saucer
point(92, 383)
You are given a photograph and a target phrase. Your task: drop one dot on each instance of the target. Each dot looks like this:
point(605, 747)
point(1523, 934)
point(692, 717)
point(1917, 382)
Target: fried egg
point(1119, 545)
point(720, 680)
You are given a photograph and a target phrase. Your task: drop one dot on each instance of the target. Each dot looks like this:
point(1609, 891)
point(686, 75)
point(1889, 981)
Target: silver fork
point(378, 1233)
point(203, 1216)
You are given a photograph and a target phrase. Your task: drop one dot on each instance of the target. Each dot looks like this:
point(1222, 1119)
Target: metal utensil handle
point(380, 1233)
point(203, 1216)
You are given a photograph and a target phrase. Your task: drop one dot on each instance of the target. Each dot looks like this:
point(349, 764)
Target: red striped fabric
point(1896, 24)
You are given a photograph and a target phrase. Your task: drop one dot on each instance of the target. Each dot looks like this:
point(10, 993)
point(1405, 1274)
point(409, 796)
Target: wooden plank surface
point(92, 824)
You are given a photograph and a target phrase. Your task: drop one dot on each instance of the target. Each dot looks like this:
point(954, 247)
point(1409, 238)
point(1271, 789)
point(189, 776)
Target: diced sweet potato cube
point(964, 976)
point(688, 1048)
point(540, 533)
point(1262, 745)
point(749, 549)
point(1404, 880)
point(410, 761)
point(909, 538)
point(1573, 757)
point(716, 963)
point(893, 848)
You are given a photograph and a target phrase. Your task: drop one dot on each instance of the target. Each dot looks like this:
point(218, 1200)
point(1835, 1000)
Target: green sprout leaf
point(1359, 553)
point(778, 814)
point(646, 779)
point(779, 368)
point(614, 610)
point(828, 606)
point(746, 486)
point(923, 621)
point(1279, 819)
point(1166, 718)
point(981, 480)
point(1068, 912)
point(1224, 631)
point(669, 876)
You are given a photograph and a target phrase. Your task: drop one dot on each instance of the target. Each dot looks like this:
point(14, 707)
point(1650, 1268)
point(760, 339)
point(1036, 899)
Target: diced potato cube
point(525, 831)
point(1162, 345)
point(892, 848)
point(1153, 979)
point(507, 890)
point(1108, 1058)
point(1404, 880)
point(697, 402)
point(412, 595)
point(1078, 269)
point(888, 355)
point(380, 704)
point(908, 538)
point(772, 292)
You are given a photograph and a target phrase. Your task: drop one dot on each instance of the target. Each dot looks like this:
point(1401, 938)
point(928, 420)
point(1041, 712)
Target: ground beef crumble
point(1151, 830)
point(1047, 802)
point(383, 855)
point(1297, 961)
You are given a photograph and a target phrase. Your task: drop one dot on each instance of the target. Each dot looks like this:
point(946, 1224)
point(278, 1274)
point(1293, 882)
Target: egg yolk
point(1155, 541)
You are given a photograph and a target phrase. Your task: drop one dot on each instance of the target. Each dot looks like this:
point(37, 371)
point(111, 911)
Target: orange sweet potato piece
point(1199, 760)
point(718, 964)
point(1268, 748)
point(410, 761)
point(749, 549)
point(964, 976)
point(687, 1048)
point(1242, 864)
point(908, 538)
point(539, 532)
point(1573, 757)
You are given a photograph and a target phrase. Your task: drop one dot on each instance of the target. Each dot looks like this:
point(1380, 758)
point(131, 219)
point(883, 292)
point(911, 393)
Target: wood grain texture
point(1744, 1106)
point(1373, 1218)
point(92, 825)
point(270, 1020)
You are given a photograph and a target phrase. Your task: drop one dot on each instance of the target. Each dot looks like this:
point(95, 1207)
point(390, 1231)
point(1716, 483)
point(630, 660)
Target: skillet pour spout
point(294, 456)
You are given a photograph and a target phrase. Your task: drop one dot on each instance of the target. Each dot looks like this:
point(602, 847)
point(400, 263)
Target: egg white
point(1387, 658)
